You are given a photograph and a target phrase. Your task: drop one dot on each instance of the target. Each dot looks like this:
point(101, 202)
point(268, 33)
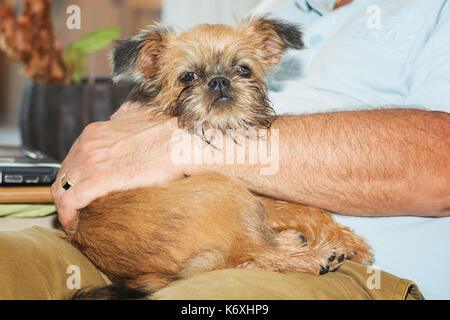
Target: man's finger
point(77, 197)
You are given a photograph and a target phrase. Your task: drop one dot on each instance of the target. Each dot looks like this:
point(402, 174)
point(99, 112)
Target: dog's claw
point(324, 270)
point(302, 238)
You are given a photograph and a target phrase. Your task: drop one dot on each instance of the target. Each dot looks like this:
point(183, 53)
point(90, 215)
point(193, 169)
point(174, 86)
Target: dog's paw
point(358, 252)
point(311, 256)
point(356, 248)
point(329, 257)
point(332, 262)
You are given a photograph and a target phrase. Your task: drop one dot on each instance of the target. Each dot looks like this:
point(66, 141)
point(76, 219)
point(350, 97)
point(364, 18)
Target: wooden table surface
point(25, 195)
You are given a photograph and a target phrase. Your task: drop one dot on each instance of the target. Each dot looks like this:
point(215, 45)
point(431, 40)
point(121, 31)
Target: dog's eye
point(245, 71)
point(188, 77)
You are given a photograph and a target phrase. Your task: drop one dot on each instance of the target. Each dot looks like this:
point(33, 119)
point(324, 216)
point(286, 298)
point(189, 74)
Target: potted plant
point(58, 103)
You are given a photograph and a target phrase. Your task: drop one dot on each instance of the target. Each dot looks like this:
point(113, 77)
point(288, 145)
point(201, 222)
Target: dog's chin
point(221, 102)
point(223, 113)
point(228, 124)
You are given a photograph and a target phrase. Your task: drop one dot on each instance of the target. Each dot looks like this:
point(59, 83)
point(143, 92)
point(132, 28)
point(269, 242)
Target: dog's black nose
point(219, 84)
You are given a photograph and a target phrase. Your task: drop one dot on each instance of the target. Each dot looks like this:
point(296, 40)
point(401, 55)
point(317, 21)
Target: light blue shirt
point(370, 54)
point(349, 62)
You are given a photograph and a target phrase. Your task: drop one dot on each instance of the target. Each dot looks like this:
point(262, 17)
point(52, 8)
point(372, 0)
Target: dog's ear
point(274, 37)
point(137, 57)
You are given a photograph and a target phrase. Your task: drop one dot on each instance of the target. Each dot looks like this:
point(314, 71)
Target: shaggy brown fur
point(146, 238)
point(160, 58)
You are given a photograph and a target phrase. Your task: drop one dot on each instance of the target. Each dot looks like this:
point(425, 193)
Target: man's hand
point(129, 151)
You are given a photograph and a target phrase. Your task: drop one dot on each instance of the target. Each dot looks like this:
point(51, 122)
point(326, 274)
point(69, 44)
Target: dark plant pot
point(54, 115)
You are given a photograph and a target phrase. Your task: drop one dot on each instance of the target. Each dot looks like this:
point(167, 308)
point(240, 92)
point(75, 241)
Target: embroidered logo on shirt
point(397, 28)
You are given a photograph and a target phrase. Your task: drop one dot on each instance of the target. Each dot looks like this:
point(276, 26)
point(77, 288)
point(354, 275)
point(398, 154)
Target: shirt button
point(315, 40)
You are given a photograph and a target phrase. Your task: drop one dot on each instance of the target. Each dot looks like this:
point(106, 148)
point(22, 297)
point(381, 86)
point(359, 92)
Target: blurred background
point(130, 15)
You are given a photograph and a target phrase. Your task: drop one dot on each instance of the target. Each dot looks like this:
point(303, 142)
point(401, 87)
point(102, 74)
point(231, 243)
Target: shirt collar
point(320, 6)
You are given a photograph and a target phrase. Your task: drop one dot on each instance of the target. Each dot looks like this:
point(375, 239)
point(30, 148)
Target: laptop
point(21, 166)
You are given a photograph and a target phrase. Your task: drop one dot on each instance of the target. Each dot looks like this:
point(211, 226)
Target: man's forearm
point(382, 162)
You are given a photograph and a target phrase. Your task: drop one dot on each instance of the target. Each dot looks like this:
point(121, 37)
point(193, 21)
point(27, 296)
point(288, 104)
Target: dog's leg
point(309, 240)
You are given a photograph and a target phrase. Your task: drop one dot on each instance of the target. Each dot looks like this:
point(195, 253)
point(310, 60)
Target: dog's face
point(211, 75)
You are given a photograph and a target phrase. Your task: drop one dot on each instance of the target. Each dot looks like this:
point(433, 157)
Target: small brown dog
point(146, 238)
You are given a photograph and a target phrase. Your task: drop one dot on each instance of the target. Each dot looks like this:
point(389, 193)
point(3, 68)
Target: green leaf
point(96, 40)
point(26, 210)
point(78, 72)
point(75, 55)
point(75, 61)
